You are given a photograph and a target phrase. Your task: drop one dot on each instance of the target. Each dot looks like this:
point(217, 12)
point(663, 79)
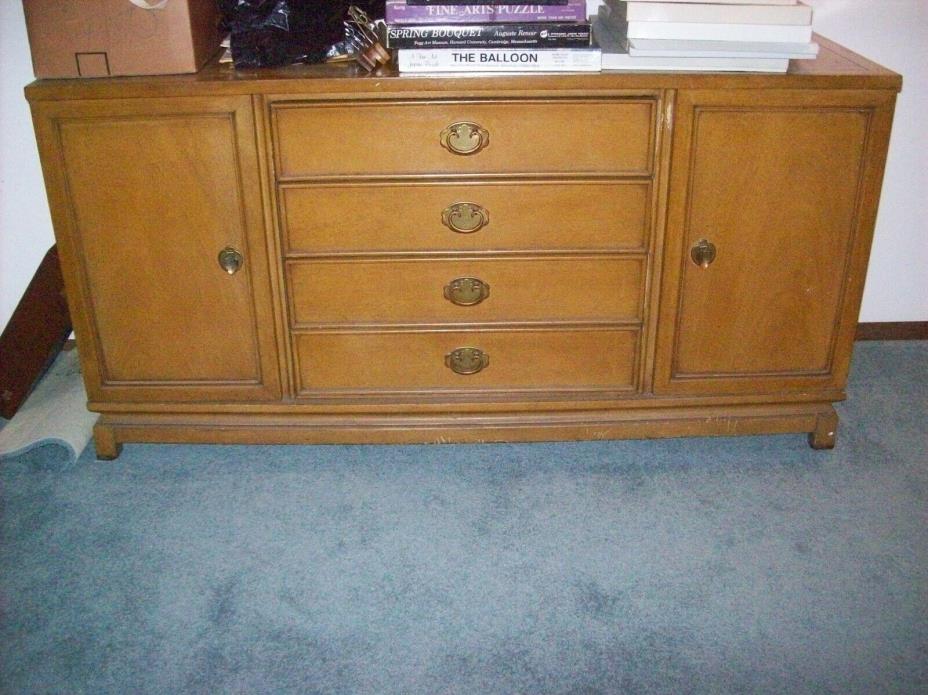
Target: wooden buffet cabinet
point(313, 255)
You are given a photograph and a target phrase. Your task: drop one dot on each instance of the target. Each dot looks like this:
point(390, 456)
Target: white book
point(615, 57)
point(724, 14)
point(624, 61)
point(674, 48)
point(666, 48)
point(720, 32)
point(499, 60)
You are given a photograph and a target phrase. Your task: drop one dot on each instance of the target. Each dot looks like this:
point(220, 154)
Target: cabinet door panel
point(152, 193)
point(775, 184)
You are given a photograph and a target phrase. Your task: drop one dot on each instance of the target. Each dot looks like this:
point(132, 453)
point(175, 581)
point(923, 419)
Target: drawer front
point(466, 290)
point(579, 136)
point(420, 217)
point(530, 360)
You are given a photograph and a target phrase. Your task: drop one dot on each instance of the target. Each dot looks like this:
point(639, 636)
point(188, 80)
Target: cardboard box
point(102, 38)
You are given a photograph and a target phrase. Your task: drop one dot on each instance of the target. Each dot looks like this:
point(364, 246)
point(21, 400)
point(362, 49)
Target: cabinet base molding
point(819, 420)
point(893, 330)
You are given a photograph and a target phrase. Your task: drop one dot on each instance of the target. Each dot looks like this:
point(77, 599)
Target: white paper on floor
point(54, 413)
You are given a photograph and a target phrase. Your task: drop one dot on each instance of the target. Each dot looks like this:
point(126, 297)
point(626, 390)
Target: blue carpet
point(733, 565)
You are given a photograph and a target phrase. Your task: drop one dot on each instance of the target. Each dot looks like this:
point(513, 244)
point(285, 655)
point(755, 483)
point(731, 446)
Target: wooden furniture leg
point(105, 443)
point(825, 432)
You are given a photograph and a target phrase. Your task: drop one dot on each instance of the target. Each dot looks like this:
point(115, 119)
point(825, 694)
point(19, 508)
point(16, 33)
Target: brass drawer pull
point(467, 360)
point(464, 138)
point(466, 291)
point(231, 260)
point(703, 253)
point(465, 218)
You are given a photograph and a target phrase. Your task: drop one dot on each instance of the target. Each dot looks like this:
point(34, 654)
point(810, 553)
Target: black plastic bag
point(269, 33)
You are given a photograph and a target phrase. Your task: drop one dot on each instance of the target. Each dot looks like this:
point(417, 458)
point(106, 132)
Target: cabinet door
point(783, 186)
point(145, 194)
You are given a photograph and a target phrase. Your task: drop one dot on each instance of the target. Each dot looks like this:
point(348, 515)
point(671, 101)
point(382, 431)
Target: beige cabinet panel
point(153, 198)
point(772, 185)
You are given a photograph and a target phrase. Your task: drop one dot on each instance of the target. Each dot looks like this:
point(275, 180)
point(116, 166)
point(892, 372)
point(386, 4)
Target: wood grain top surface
point(835, 68)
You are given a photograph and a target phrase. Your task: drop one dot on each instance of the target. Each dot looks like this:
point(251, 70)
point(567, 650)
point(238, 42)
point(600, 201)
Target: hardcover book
point(400, 12)
point(499, 60)
point(670, 48)
point(560, 35)
point(722, 14)
point(789, 33)
point(616, 56)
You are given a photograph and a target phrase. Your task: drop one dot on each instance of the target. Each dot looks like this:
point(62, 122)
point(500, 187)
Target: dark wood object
point(312, 255)
point(35, 334)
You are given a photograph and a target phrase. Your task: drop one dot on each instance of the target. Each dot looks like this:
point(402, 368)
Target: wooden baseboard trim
point(893, 330)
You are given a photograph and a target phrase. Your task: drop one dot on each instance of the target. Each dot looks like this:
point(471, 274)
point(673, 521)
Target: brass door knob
point(231, 260)
point(467, 360)
point(464, 138)
point(466, 291)
point(465, 218)
point(703, 253)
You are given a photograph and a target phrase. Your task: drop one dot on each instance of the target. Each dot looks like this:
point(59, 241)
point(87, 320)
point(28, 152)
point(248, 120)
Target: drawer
point(577, 136)
point(536, 360)
point(379, 217)
point(465, 290)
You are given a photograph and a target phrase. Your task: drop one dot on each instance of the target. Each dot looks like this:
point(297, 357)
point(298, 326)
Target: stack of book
point(475, 36)
point(694, 35)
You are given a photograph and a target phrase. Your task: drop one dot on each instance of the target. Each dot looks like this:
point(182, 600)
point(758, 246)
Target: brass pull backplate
point(703, 253)
point(231, 260)
point(465, 218)
point(467, 360)
point(464, 138)
point(466, 291)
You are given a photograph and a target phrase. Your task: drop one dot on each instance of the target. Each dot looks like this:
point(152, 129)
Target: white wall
point(25, 225)
point(892, 32)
